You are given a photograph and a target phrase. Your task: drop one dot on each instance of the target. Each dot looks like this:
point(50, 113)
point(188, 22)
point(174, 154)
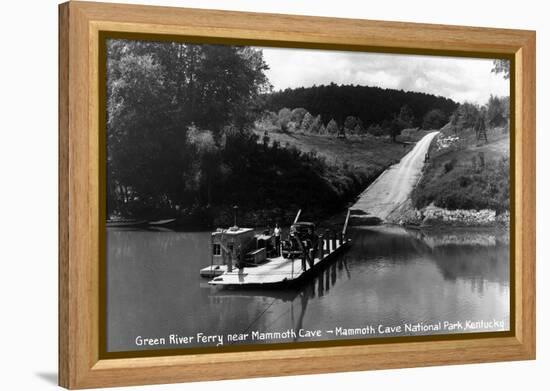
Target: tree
point(316, 125)
point(212, 86)
point(297, 116)
point(307, 121)
point(501, 66)
point(270, 117)
point(395, 128)
point(227, 80)
point(285, 116)
point(332, 127)
point(405, 117)
point(350, 123)
point(454, 120)
point(156, 92)
point(207, 162)
point(434, 119)
point(497, 111)
point(131, 118)
point(359, 128)
point(466, 116)
point(401, 121)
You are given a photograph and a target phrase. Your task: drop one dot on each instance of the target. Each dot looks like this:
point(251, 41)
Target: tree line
point(361, 109)
point(302, 121)
point(495, 113)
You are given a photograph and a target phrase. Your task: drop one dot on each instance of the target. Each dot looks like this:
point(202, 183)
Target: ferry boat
point(242, 258)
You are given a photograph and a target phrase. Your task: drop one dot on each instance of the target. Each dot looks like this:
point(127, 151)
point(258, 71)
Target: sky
point(461, 79)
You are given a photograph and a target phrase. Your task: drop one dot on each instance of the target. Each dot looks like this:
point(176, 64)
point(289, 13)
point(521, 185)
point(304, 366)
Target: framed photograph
point(246, 195)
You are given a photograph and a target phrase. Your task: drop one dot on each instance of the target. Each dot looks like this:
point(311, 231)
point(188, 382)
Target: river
point(390, 280)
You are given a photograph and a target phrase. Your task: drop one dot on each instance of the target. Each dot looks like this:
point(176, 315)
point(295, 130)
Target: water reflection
point(469, 254)
point(389, 276)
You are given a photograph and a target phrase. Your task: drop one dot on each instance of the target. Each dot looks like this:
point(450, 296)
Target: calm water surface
point(388, 278)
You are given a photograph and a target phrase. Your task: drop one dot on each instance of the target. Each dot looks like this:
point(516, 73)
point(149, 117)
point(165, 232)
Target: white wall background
point(28, 196)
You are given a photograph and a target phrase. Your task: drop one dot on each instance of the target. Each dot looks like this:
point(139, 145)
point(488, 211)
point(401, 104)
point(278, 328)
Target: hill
point(465, 173)
point(373, 105)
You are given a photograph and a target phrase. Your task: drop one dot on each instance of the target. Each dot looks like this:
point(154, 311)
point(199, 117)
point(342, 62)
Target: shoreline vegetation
point(193, 130)
point(435, 217)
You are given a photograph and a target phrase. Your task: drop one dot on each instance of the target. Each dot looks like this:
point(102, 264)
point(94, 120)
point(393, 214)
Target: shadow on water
point(296, 298)
point(389, 275)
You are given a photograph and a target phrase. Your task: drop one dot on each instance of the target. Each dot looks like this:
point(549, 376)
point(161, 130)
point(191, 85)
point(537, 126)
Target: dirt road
point(394, 186)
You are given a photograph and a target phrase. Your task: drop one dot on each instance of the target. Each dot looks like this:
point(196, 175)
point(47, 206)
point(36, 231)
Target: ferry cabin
point(229, 246)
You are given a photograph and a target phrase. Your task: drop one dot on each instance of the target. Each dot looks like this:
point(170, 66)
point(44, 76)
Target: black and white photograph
point(266, 195)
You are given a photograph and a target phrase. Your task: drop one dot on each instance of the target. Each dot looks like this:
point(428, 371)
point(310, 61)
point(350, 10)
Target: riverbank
point(433, 216)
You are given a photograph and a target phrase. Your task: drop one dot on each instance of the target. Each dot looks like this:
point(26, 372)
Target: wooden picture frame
point(80, 26)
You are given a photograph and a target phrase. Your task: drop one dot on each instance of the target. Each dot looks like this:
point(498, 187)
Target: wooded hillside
point(372, 105)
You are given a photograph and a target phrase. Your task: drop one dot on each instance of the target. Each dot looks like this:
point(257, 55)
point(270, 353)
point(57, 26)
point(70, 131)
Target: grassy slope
point(367, 154)
point(456, 178)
